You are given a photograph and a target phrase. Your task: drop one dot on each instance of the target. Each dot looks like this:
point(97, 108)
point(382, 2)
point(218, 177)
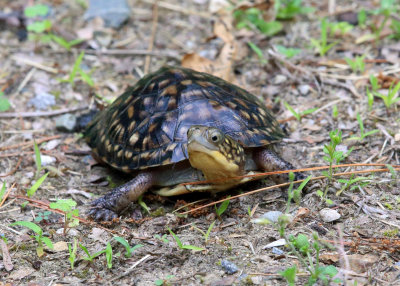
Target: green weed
point(357, 65)
point(222, 208)
point(206, 234)
point(68, 207)
point(288, 9)
point(321, 45)
point(362, 133)
point(299, 115)
point(39, 237)
point(184, 246)
point(252, 19)
point(287, 52)
point(258, 52)
point(4, 103)
point(129, 250)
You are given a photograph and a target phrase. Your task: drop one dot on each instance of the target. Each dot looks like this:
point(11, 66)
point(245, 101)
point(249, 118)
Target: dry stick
point(131, 268)
point(35, 64)
point(121, 52)
point(295, 67)
point(41, 113)
point(179, 9)
point(153, 35)
point(42, 205)
point(13, 170)
point(30, 143)
point(288, 171)
point(7, 194)
point(286, 184)
point(343, 85)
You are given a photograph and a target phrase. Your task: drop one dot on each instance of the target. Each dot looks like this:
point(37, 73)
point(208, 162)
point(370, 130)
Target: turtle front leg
point(269, 161)
point(111, 204)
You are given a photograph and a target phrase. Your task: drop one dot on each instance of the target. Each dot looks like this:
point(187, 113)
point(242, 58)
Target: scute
point(147, 125)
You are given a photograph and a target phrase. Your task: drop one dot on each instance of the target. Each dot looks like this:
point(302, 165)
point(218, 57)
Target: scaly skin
point(110, 205)
point(269, 161)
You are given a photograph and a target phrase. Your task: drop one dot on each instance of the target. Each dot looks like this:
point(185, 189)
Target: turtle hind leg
point(269, 161)
point(111, 204)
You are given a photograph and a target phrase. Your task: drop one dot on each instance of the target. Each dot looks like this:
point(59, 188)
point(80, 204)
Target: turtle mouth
point(198, 140)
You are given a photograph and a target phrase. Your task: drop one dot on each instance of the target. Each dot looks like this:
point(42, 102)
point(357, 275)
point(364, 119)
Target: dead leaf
point(217, 5)
point(197, 63)
point(361, 263)
point(6, 256)
point(21, 273)
point(329, 258)
point(266, 7)
point(60, 246)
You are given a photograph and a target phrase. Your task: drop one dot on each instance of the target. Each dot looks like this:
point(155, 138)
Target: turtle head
point(216, 154)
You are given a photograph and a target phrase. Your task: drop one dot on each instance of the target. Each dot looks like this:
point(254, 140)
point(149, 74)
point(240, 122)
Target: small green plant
point(370, 98)
point(68, 207)
point(184, 246)
point(299, 115)
point(206, 235)
point(40, 29)
point(143, 204)
point(109, 255)
point(362, 134)
point(222, 208)
point(287, 52)
point(77, 69)
point(392, 97)
point(342, 27)
point(335, 112)
point(288, 9)
point(72, 253)
point(252, 19)
point(295, 195)
point(43, 216)
point(163, 238)
point(322, 196)
point(353, 183)
point(374, 83)
point(362, 18)
point(39, 237)
point(321, 45)
point(332, 155)
point(128, 248)
point(2, 191)
point(4, 103)
point(258, 52)
point(32, 190)
point(90, 257)
point(357, 65)
point(304, 250)
point(395, 26)
point(161, 282)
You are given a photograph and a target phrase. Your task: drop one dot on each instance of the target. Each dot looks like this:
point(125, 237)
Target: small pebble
point(66, 123)
point(272, 216)
point(47, 160)
point(229, 267)
point(279, 242)
point(277, 251)
point(279, 79)
point(329, 215)
point(42, 101)
point(304, 89)
point(114, 13)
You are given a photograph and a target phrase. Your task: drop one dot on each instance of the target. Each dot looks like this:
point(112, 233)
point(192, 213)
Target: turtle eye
point(215, 136)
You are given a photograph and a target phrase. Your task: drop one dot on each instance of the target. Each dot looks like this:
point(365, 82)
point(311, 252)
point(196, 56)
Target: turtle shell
point(146, 126)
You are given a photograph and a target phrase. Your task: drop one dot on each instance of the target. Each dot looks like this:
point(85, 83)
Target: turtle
point(178, 125)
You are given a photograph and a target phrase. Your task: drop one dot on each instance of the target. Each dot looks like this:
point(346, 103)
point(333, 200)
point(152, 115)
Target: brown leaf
point(6, 256)
point(196, 62)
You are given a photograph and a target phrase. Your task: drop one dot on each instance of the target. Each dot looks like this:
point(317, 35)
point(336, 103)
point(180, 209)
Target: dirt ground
point(363, 236)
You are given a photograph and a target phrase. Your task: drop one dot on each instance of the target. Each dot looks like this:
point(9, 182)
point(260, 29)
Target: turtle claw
point(100, 212)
